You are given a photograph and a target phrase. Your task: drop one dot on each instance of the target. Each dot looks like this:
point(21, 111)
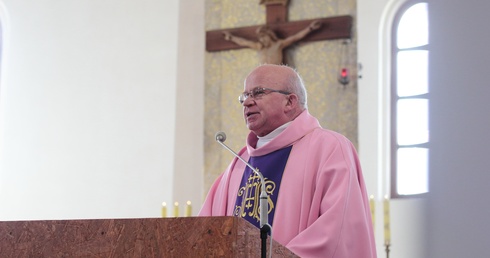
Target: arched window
point(410, 101)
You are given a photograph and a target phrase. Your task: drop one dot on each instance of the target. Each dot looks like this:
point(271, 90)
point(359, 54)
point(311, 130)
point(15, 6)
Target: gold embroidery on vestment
point(250, 193)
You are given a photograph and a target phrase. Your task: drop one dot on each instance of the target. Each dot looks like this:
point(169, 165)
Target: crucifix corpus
point(271, 39)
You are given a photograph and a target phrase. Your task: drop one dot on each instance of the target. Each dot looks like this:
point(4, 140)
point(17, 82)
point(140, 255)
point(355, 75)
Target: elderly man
point(318, 205)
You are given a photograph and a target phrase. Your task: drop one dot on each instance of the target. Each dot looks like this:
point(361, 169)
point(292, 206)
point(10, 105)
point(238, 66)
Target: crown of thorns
point(266, 30)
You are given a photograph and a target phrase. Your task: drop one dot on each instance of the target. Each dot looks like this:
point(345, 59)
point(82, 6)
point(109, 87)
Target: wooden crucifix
point(278, 30)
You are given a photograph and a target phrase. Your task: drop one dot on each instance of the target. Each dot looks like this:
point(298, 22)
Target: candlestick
point(176, 209)
point(387, 250)
point(188, 209)
point(387, 220)
point(164, 209)
point(372, 207)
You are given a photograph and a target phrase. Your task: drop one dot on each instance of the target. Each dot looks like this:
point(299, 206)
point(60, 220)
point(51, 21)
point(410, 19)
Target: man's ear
point(292, 102)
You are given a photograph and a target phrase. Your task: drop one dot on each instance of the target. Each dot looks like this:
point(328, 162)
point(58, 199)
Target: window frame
point(394, 146)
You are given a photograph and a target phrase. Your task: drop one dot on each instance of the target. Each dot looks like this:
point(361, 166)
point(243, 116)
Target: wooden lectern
point(151, 237)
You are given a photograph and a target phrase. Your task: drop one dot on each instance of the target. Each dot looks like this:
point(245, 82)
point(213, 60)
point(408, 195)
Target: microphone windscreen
point(220, 136)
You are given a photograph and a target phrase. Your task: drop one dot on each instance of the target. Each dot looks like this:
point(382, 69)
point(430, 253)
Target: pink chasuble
point(322, 207)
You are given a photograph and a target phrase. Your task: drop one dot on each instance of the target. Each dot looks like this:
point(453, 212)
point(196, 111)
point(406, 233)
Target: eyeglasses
point(258, 93)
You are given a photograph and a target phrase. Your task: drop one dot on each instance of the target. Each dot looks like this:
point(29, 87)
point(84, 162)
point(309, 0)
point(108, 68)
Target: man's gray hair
point(294, 84)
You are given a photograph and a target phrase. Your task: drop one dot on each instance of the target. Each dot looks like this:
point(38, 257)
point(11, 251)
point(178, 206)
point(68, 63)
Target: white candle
point(387, 220)
point(188, 209)
point(372, 206)
point(176, 209)
point(164, 209)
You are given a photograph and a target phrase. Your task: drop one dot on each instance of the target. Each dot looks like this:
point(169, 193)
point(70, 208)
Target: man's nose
point(248, 102)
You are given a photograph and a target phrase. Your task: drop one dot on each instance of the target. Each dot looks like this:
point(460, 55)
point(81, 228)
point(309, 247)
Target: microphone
point(220, 136)
point(264, 204)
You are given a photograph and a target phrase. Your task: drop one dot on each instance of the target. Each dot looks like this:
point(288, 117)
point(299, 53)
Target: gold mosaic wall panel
point(318, 63)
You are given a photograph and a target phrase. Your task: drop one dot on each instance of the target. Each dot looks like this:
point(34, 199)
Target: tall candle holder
point(387, 249)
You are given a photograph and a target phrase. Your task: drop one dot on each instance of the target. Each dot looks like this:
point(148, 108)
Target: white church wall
point(87, 108)
point(189, 133)
point(459, 162)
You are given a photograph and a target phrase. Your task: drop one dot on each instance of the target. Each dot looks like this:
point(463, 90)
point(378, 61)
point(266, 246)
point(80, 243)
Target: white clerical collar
point(265, 139)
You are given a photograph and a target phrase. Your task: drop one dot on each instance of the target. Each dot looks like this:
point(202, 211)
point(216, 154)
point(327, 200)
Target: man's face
point(264, 113)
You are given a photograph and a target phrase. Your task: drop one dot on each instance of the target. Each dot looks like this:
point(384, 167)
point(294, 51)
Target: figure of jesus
point(269, 46)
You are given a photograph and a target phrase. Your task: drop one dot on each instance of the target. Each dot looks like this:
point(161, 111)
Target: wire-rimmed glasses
point(258, 92)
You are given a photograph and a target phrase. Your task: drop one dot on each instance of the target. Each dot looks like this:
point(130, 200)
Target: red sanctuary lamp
point(344, 76)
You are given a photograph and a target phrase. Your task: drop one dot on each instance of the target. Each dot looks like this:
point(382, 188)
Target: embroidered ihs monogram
point(250, 194)
point(271, 166)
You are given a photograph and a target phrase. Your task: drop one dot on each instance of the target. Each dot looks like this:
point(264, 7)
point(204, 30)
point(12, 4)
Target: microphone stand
point(263, 237)
point(264, 204)
point(264, 217)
